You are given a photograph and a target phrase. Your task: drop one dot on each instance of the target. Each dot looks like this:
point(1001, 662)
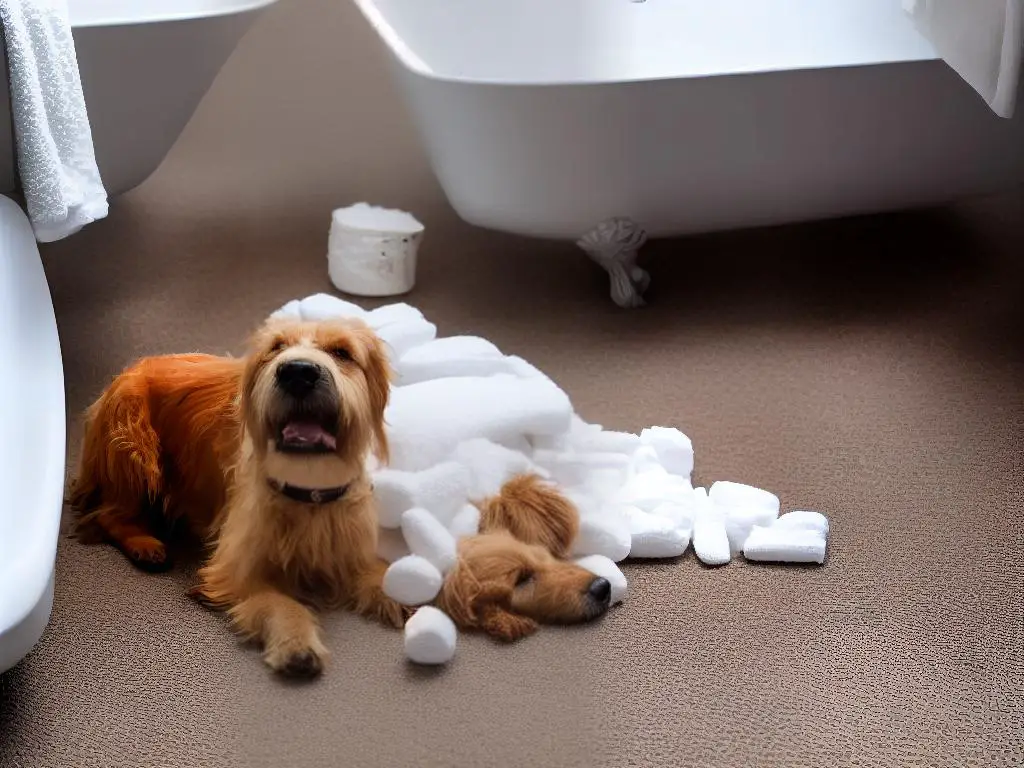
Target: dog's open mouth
point(306, 437)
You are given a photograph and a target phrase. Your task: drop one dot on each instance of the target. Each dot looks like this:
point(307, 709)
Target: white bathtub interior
point(579, 41)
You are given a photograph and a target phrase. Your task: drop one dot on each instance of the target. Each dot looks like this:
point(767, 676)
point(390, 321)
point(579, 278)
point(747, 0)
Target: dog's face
point(506, 588)
point(316, 390)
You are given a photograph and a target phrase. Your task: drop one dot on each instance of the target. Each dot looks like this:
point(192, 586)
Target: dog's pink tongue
point(308, 433)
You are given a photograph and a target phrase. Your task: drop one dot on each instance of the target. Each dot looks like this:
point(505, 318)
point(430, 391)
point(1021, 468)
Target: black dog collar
point(308, 495)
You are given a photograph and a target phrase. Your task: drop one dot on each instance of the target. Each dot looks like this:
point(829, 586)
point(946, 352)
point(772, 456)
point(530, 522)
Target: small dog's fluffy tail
point(120, 453)
point(534, 511)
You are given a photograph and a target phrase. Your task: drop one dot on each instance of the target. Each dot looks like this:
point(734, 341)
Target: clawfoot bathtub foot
point(615, 244)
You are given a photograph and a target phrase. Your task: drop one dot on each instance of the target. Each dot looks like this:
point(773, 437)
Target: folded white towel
point(56, 158)
point(785, 545)
point(451, 356)
point(982, 40)
point(652, 536)
point(809, 521)
point(426, 421)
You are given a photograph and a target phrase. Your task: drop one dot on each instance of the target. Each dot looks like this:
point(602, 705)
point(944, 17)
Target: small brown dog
point(514, 575)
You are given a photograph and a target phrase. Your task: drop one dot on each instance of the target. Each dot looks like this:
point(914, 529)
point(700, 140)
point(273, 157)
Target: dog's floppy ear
point(372, 357)
point(484, 605)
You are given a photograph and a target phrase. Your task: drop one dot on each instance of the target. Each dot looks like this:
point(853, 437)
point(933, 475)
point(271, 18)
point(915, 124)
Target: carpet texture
point(872, 369)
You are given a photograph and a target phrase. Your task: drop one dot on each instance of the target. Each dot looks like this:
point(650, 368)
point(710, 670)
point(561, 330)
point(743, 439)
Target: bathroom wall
point(303, 118)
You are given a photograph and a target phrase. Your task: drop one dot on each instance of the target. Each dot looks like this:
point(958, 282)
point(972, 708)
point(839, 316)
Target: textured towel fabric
point(56, 159)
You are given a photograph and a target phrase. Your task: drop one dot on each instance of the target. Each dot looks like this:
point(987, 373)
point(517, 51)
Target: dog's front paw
point(298, 661)
point(508, 627)
point(147, 552)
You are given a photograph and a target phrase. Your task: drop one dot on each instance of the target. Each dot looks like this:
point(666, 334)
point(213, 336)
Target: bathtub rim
point(166, 11)
point(411, 61)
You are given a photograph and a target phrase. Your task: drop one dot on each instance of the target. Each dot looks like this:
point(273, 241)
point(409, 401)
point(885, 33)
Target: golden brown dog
point(265, 458)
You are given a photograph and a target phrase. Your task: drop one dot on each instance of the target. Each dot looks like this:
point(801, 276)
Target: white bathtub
point(544, 118)
point(145, 65)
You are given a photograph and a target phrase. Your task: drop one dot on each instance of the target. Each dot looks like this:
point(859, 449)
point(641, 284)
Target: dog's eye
point(277, 347)
point(340, 353)
point(525, 577)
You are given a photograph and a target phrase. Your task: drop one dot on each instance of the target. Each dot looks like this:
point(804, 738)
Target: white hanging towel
point(56, 159)
point(981, 39)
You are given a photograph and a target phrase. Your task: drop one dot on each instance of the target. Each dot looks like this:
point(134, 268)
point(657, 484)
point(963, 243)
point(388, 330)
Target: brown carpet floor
point(872, 369)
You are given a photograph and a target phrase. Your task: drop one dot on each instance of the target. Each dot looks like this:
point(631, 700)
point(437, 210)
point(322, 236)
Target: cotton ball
point(429, 539)
point(465, 523)
point(412, 580)
point(430, 637)
point(599, 565)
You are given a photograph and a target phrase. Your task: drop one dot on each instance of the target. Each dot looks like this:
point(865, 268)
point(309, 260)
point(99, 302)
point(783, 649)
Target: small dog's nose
point(298, 377)
point(600, 590)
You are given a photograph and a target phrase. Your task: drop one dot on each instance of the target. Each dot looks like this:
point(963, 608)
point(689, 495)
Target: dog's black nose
point(298, 377)
point(600, 590)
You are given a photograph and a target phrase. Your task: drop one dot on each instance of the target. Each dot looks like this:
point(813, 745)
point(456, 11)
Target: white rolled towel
point(655, 537)
point(442, 489)
point(491, 465)
point(465, 523)
point(426, 421)
point(674, 449)
point(412, 580)
point(604, 532)
point(429, 539)
point(710, 539)
point(599, 565)
point(430, 637)
point(785, 545)
point(451, 356)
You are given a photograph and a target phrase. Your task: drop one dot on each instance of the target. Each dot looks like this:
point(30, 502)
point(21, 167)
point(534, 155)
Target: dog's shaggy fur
point(211, 442)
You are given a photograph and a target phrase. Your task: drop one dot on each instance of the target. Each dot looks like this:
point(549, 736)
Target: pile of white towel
point(464, 418)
